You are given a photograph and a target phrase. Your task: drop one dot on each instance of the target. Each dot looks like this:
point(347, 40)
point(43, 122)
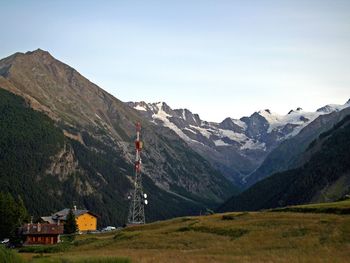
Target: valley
point(175, 131)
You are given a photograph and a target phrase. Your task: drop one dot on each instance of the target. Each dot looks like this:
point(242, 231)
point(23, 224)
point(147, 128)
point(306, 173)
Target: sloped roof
point(48, 219)
point(42, 229)
point(62, 215)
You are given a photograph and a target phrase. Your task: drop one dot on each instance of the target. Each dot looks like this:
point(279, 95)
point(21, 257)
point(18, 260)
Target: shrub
point(228, 217)
point(9, 256)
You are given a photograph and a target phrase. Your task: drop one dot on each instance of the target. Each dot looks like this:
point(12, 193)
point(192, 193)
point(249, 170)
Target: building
point(42, 234)
point(86, 220)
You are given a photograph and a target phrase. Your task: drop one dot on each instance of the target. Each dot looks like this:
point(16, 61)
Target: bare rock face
point(64, 164)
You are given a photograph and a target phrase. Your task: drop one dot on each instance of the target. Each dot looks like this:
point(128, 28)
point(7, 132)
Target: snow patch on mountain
point(272, 118)
point(234, 136)
point(252, 145)
point(240, 123)
point(220, 143)
point(187, 129)
point(298, 118)
point(205, 132)
point(183, 114)
point(333, 107)
point(163, 116)
point(140, 108)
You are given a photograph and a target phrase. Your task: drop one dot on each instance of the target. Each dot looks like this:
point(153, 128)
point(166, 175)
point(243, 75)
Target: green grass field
point(271, 236)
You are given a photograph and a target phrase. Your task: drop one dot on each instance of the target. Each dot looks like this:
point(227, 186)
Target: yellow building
point(86, 220)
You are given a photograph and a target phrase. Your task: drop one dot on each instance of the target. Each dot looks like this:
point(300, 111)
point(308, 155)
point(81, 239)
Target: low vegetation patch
point(184, 229)
point(340, 208)
point(124, 236)
point(45, 249)
point(45, 259)
point(232, 216)
point(228, 217)
point(104, 260)
point(82, 242)
point(233, 233)
point(296, 232)
point(9, 256)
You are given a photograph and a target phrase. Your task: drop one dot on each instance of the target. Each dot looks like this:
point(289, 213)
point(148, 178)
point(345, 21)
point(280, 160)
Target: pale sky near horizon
point(216, 58)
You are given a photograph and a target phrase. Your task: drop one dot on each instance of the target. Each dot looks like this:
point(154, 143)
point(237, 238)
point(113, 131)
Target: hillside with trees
point(32, 150)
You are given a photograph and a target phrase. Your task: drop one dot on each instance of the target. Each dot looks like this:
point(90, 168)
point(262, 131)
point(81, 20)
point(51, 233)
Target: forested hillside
point(28, 139)
point(29, 144)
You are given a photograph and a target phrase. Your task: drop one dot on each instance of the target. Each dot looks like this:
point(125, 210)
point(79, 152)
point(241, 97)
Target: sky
point(221, 58)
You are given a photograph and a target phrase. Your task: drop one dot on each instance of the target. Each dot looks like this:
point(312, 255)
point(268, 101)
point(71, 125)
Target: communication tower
point(137, 198)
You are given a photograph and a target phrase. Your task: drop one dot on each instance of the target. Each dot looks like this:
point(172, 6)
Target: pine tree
point(12, 216)
point(70, 226)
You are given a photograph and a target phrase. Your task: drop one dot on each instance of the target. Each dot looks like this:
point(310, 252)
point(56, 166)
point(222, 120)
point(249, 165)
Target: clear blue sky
point(217, 58)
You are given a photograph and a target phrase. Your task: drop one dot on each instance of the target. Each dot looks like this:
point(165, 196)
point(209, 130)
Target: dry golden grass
point(236, 237)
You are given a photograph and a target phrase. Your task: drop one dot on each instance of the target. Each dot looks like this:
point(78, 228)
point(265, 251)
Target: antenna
point(137, 198)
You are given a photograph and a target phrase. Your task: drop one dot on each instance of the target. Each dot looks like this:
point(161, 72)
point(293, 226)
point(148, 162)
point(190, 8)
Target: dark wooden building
point(42, 234)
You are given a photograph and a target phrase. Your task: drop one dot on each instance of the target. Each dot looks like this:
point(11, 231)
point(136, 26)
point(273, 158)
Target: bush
point(228, 217)
point(68, 238)
point(184, 229)
point(9, 256)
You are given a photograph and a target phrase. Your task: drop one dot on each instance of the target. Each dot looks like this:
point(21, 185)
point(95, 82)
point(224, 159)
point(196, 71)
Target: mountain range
point(236, 147)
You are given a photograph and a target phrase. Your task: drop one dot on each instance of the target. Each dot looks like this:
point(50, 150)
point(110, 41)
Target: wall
point(86, 222)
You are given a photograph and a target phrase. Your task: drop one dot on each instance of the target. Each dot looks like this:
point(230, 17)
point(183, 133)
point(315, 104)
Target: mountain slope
point(325, 176)
point(98, 144)
point(51, 171)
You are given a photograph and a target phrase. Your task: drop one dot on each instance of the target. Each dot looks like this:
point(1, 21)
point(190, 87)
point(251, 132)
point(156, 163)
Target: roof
point(42, 229)
point(48, 219)
point(62, 215)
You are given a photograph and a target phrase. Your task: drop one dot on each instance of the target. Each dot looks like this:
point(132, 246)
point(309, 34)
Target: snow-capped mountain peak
point(232, 143)
point(333, 107)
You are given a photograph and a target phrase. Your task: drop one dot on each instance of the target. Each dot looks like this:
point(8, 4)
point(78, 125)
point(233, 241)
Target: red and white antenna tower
point(138, 198)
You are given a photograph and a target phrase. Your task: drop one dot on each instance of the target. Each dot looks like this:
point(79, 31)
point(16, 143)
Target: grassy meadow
point(268, 236)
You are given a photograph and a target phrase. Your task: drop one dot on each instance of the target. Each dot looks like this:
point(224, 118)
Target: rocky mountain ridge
point(235, 146)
